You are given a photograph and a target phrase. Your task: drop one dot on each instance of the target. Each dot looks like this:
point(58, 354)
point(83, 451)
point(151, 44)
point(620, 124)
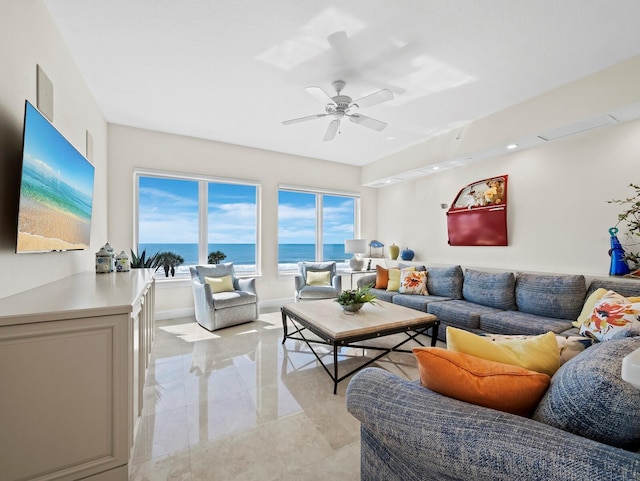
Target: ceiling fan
point(341, 106)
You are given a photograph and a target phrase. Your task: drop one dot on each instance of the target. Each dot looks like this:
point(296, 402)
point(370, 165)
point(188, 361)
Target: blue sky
point(169, 214)
point(48, 152)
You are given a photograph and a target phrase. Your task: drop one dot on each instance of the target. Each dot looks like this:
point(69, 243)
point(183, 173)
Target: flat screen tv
point(56, 190)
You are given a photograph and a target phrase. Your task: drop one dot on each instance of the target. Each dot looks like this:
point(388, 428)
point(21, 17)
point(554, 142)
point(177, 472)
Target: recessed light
point(387, 181)
point(390, 138)
point(512, 146)
point(436, 167)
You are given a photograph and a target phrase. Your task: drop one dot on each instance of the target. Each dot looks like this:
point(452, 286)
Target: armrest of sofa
point(419, 434)
point(336, 282)
point(366, 280)
point(299, 281)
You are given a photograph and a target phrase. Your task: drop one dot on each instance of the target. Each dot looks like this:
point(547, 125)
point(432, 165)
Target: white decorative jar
point(122, 262)
point(103, 261)
point(112, 263)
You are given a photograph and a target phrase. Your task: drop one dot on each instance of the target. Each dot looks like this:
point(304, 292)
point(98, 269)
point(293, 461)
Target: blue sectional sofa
point(585, 428)
point(503, 302)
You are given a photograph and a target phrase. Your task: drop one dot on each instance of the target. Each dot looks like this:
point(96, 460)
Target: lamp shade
point(355, 246)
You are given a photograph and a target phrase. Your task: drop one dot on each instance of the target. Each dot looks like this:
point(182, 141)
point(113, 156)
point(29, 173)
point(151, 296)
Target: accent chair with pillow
point(221, 299)
point(317, 280)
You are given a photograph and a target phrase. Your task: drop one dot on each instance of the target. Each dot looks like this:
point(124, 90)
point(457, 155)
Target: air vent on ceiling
point(582, 126)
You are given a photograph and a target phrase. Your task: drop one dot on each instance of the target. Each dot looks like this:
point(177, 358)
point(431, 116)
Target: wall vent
point(578, 127)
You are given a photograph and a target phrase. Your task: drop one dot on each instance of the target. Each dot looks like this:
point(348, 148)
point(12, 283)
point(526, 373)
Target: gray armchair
point(308, 290)
point(216, 310)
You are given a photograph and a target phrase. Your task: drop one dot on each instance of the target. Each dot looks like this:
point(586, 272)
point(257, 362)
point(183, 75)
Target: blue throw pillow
point(588, 397)
point(492, 289)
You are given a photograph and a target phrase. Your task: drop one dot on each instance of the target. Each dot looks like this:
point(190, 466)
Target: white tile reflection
point(235, 405)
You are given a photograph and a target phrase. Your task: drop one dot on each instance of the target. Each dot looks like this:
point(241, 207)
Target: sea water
point(243, 256)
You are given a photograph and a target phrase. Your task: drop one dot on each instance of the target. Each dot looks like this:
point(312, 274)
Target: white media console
point(73, 358)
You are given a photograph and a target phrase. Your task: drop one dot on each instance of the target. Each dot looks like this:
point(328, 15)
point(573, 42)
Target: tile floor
point(237, 404)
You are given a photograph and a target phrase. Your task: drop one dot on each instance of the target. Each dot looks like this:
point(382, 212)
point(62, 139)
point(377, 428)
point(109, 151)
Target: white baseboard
point(175, 313)
point(271, 305)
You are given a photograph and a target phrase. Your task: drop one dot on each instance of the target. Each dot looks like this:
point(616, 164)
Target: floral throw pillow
point(413, 282)
point(613, 317)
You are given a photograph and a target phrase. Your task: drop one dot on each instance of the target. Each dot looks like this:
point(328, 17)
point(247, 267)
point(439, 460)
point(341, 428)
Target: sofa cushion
point(304, 267)
point(222, 300)
point(587, 307)
point(463, 314)
point(382, 277)
point(214, 270)
point(220, 284)
point(568, 346)
point(318, 292)
point(318, 278)
point(413, 282)
point(492, 289)
point(474, 380)
point(626, 287)
point(588, 397)
point(394, 278)
point(516, 322)
point(560, 297)
point(445, 281)
point(613, 316)
point(536, 353)
point(383, 294)
point(415, 301)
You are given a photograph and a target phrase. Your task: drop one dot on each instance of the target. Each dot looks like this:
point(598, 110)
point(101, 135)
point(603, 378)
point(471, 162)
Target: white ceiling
point(233, 70)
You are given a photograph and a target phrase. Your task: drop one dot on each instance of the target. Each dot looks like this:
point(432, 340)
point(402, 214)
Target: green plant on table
point(143, 262)
point(361, 295)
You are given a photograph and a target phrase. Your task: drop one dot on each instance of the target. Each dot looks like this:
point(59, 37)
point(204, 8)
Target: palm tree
point(216, 257)
point(169, 261)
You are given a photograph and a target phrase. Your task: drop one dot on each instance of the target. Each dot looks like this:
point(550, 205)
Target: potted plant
point(632, 218)
point(143, 262)
point(352, 300)
point(216, 257)
point(169, 261)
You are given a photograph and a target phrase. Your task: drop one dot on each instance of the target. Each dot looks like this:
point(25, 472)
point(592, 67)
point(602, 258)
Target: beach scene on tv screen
point(55, 193)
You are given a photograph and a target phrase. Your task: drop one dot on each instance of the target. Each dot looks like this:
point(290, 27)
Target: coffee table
point(326, 319)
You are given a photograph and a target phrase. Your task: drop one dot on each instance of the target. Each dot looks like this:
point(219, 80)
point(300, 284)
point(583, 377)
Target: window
point(313, 226)
point(195, 217)
point(232, 220)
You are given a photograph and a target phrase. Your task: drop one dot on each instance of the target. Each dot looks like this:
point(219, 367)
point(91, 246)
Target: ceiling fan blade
point(303, 119)
point(375, 98)
point(332, 129)
point(321, 95)
point(368, 122)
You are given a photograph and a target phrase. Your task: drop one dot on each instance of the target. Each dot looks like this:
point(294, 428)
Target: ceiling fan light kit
point(340, 106)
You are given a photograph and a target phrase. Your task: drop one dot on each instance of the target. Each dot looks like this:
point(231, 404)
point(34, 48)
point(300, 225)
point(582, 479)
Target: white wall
point(558, 215)
point(131, 148)
point(28, 37)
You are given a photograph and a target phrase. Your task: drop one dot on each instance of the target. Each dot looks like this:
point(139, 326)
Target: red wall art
point(478, 216)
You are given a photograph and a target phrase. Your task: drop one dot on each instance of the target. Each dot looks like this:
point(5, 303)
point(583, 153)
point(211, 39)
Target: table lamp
point(355, 247)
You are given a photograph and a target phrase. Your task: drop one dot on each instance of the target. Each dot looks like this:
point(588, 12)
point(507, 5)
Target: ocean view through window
point(193, 217)
point(309, 220)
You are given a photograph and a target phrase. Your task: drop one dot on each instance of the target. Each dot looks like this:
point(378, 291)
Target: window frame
point(320, 193)
point(203, 213)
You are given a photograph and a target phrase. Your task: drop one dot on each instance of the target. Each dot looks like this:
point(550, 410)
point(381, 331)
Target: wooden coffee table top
point(328, 317)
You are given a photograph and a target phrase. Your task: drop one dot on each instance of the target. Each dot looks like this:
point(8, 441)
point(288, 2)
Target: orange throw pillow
point(495, 385)
point(382, 277)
